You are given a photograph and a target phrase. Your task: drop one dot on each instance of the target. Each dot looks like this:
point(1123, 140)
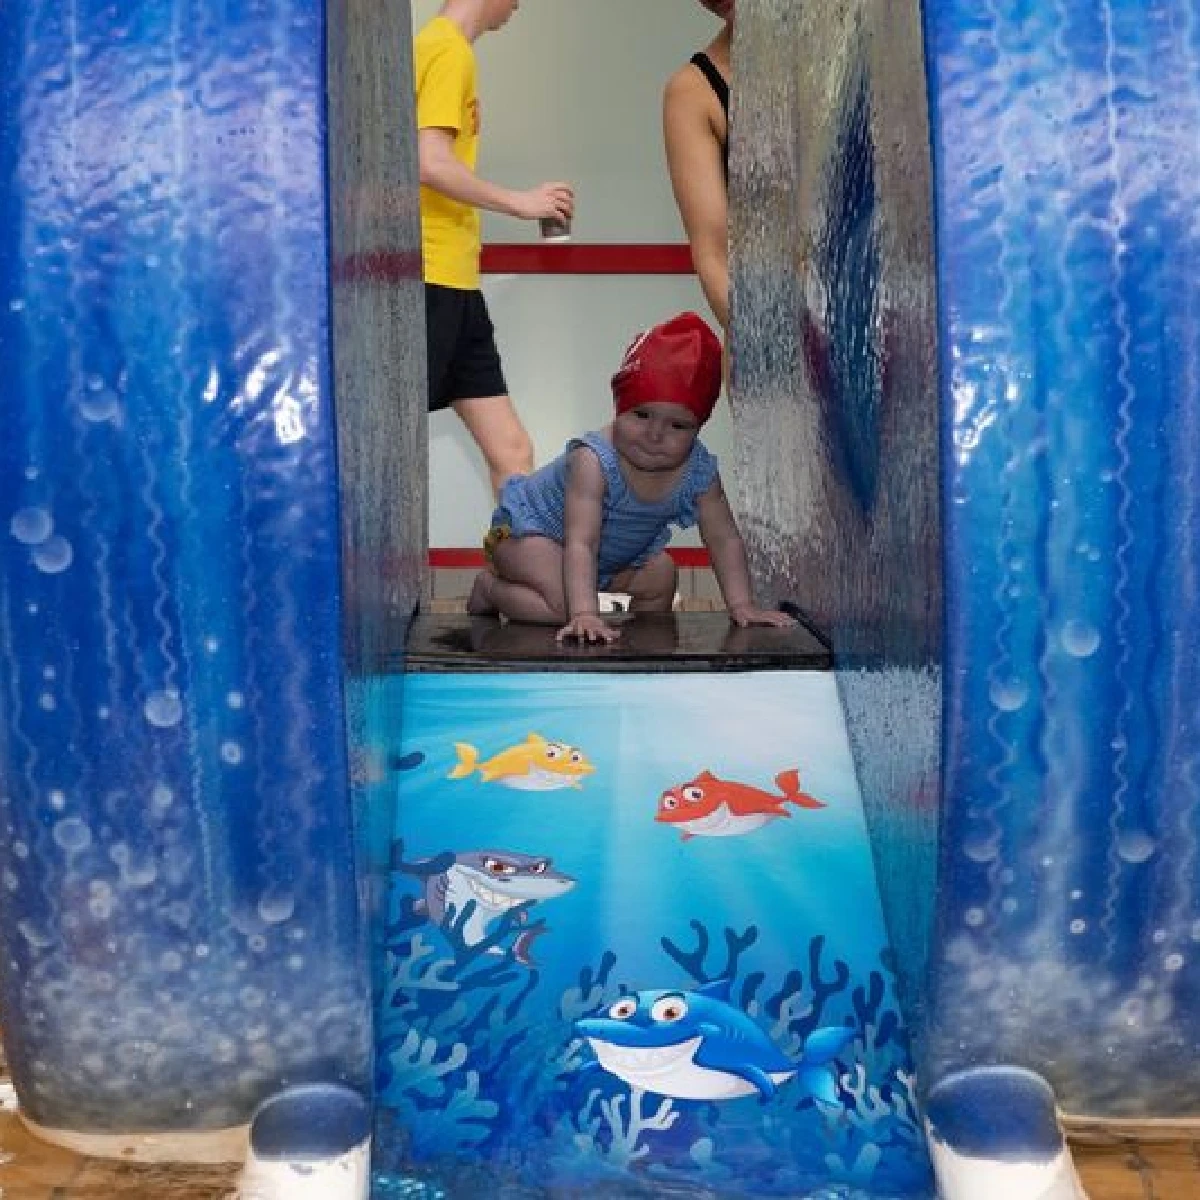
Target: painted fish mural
point(695, 1045)
point(710, 807)
point(474, 890)
point(534, 765)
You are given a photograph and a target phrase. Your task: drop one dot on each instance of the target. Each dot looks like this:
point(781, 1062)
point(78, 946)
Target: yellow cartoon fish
point(534, 765)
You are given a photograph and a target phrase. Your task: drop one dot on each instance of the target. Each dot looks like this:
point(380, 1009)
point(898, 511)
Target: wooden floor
point(1125, 1169)
point(31, 1170)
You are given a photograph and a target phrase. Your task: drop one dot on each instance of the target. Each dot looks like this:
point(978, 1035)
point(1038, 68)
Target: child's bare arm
point(723, 539)
point(581, 547)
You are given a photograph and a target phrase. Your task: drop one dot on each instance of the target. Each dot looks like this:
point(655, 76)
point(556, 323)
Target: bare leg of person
point(494, 424)
point(526, 585)
point(651, 587)
point(479, 602)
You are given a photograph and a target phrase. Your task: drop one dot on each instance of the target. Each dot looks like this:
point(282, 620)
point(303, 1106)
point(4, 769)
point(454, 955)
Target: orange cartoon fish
point(711, 807)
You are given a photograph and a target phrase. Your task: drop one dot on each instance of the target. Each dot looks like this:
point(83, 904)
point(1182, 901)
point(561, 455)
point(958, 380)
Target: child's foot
point(479, 603)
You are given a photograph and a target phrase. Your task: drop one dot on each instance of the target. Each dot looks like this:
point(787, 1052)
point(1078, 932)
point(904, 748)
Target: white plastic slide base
point(346, 1177)
point(963, 1178)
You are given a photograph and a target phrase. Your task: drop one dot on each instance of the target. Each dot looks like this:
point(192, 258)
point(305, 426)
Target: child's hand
point(589, 627)
point(743, 615)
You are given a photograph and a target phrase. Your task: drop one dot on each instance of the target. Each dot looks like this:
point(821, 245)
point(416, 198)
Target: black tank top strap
point(715, 78)
point(717, 82)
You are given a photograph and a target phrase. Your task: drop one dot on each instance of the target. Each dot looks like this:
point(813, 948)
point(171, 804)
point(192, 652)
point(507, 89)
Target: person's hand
point(588, 628)
point(745, 615)
point(545, 200)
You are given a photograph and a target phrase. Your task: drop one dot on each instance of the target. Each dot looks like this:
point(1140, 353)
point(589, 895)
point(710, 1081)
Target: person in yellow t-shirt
point(464, 365)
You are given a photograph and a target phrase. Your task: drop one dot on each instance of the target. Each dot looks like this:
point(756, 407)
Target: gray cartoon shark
point(492, 883)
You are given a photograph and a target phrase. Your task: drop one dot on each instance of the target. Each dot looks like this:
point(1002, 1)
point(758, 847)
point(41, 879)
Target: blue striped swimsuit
point(631, 531)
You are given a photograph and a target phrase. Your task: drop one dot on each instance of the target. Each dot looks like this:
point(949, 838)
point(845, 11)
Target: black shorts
point(464, 363)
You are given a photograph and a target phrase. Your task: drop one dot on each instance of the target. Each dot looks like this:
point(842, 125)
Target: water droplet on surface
point(1135, 846)
point(53, 556)
point(974, 917)
point(1080, 639)
point(1008, 695)
point(235, 700)
point(99, 406)
point(164, 709)
point(1173, 962)
point(231, 753)
point(981, 847)
point(72, 834)
point(1078, 926)
point(31, 526)
point(274, 910)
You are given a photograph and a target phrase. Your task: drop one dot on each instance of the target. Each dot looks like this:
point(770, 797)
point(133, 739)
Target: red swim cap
point(678, 362)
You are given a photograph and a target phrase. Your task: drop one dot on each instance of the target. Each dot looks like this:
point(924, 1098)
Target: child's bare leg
point(527, 584)
point(479, 602)
point(651, 587)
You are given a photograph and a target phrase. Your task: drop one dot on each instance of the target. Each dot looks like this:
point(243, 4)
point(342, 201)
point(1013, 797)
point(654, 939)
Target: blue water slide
point(179, 929)
point(1067, 148)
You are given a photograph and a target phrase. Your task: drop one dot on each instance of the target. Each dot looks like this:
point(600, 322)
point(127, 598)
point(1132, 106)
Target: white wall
point(572, 89)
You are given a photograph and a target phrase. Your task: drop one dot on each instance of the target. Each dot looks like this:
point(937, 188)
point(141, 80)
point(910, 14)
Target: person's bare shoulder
point(690, 102)
point(686, 86)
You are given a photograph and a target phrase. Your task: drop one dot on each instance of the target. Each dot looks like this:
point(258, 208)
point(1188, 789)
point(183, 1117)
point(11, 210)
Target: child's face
point(657, 436)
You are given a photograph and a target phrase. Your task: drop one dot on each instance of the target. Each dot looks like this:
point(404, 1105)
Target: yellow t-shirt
point(444, 63)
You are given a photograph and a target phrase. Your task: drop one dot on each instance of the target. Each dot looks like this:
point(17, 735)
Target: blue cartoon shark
point(697, 1046)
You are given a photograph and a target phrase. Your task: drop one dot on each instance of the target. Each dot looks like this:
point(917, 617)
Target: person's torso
point(630, 527)
point(444, 66)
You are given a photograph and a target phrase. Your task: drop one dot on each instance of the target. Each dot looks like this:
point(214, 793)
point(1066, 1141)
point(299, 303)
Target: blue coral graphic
point(479, 1068)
